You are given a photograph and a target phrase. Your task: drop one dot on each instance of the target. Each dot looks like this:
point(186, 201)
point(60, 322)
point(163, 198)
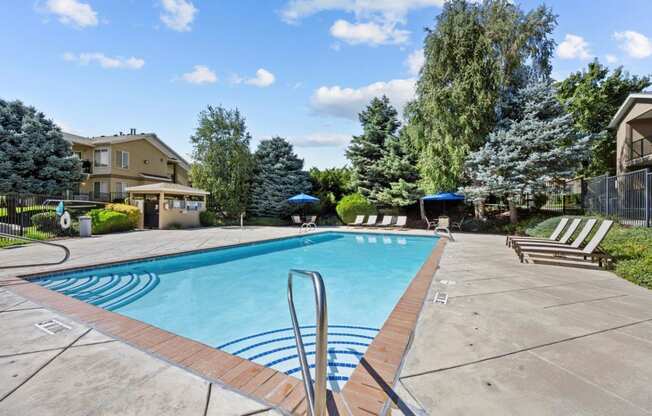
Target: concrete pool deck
point(512, 339)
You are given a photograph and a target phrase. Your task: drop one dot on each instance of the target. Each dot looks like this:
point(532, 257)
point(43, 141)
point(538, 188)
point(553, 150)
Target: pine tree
point(278, 175)
point(34, 157)
point(523, 156)
point(398, 165)
point(222, 159)
point(379, 123)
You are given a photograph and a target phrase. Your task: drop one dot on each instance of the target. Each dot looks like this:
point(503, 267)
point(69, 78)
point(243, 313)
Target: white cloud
point(415, 61)
point(263, 79)
point(200, 74)
point(388, 10)
point(320, 139)
point(635, 44)
point(611, 59)
point(73, 12)
point(104, 61)
point(368, 33)
point(574, 47)
point(178, 14)
point(348, 102)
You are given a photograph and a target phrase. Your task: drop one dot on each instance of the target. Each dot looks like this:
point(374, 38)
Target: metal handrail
point(316, 396)
point(31, 240)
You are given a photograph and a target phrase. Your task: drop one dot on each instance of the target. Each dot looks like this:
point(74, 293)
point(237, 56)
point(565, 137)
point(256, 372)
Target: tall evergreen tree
point(476, 57)
point(223, 162)
point(593, 96)
point(525, 155)
point(278, 175)
point(34, 157)
point(379, 124)
point(398, 165)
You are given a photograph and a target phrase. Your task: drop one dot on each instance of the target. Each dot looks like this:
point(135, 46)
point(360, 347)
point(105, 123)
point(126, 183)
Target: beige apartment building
point(112, 164)
point(633, 125)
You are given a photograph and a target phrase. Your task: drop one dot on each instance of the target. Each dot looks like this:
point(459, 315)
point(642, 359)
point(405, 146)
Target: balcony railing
point(641, 148)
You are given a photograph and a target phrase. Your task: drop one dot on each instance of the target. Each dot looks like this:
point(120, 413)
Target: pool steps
point(276, 349)
point(108, 292)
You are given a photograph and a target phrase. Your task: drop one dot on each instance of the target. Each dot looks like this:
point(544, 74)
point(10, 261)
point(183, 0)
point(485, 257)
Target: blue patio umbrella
point(444, 196)
point(303, 199)
point(441, 196)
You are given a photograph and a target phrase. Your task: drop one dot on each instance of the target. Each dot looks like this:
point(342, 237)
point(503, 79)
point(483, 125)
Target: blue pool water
point(236, 298)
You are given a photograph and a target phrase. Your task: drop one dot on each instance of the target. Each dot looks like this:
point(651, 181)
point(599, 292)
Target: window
point(122, 159)
point(78, 155)
point(120, 188)
point(101, 158)
point(100, 188)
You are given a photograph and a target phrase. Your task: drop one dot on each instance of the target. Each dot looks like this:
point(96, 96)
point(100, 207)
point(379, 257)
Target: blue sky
point(300, 69)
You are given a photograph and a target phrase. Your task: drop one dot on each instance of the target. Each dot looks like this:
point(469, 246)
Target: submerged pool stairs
point(276, 349)
point(108, 292)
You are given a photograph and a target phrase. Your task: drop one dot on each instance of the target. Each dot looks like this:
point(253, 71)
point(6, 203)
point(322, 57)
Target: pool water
point(235, 298)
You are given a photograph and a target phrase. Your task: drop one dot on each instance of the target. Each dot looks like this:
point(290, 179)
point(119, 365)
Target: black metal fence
point(29, 215)
point(626, 197)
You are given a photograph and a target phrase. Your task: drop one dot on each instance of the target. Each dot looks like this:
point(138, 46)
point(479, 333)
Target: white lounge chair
point(386, 222)
point(401, 220)
point(443, 224)
point(553, 237)
point(553, 255)
point(431, 223)
point(371, 221)
point(296, 220)
point(311, 222)
point(563, 241)
point(359, 219)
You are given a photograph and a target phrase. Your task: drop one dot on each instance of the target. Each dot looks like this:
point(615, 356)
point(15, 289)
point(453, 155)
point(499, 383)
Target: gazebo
point(163, 204)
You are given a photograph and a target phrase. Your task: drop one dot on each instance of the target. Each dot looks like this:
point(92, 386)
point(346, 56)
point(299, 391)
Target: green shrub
point(104, 221)
point(637, 270)
point(266, 221)
point(131, 211)
point(353, 205)
point(175, 226)
point(208, 219)
point(46, 221)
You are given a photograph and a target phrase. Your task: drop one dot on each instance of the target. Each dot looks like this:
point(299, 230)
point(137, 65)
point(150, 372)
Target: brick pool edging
point(368, 391)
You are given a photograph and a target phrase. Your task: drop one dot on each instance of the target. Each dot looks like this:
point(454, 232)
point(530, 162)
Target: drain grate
point(52, 326)
point(441, 297)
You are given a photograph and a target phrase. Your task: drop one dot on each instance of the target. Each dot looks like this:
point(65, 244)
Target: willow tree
point(476, 57)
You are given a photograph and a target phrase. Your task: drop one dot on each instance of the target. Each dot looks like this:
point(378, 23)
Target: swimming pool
point(234, 298)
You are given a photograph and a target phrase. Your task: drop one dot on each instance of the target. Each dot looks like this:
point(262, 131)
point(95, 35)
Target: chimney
point(132, 131)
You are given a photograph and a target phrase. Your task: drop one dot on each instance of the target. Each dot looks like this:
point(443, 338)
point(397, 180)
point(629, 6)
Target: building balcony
point(640, 153)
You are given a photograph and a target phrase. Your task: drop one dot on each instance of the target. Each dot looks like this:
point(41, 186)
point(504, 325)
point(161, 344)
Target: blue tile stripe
point(259, 344)
point(261, 334)
point(331, 364)
point(307, 344)
point(296, 356)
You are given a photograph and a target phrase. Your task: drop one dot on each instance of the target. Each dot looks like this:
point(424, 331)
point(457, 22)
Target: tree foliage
point(223, 162)
point(476, 57)
point(383, 163)
point(330, 185)
point(34, 157)
point(278, 175)
point(593, 96)
point(525, 155)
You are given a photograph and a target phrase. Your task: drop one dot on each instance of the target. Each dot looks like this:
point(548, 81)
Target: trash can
point(85, 229)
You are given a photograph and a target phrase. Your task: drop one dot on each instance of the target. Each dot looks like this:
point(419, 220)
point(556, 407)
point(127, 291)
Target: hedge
point(104, 221)
point(353, 205)
point(131, 211)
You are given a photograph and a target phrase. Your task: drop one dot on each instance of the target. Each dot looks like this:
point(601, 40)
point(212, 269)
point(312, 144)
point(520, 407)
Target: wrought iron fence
point(626, 197)
point(29, 215)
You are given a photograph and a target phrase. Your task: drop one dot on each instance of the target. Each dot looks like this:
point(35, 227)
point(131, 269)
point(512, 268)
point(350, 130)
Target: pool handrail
point(31, 240)
point(315, 396)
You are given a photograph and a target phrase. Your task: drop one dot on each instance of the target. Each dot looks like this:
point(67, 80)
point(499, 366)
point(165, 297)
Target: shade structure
point(444, 196)
point(303, 199)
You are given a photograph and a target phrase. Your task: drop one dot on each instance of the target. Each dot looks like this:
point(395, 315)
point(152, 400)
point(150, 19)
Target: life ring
point(65, 220)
